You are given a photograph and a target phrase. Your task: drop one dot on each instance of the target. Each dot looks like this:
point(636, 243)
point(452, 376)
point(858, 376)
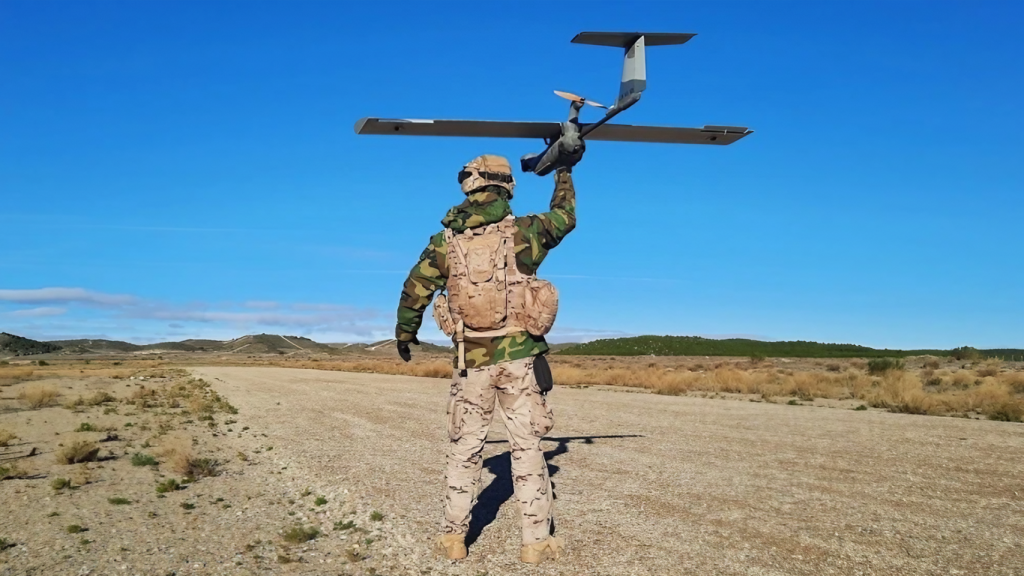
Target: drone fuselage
point(568, 149)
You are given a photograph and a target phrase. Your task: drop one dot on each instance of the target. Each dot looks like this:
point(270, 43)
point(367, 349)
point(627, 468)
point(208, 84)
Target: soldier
point(497, 312)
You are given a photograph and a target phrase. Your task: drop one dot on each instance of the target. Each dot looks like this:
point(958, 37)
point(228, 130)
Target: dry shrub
point(986, 397)
point(200, 406)
point(78, 451)
point(963, 379)
point(989, 368)
point(99, 398)
point(932, 363)
point(38, 395)
point(177, 453)
point(9, 376)
point(901, 392)
point(426, 369)
point(1015, 380)
point(1007, 412)
point(5, 437)
point(12, 470)
point(143, 393)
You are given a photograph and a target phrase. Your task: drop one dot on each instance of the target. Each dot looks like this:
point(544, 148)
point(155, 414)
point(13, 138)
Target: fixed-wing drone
point(565, 141)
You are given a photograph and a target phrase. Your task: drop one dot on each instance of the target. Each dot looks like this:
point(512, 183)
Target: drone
point(565, 140)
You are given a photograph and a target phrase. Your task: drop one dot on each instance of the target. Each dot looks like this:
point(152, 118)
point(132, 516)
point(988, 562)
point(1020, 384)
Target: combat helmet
point(487, 170)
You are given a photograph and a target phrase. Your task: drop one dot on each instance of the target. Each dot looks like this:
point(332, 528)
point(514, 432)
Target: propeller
point(575, 98)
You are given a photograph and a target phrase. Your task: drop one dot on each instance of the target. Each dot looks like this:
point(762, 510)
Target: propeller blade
point(575, 98)
point(569, 96)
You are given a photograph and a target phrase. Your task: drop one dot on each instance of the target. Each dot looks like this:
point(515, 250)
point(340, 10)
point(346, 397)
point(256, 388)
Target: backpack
point(487, 294)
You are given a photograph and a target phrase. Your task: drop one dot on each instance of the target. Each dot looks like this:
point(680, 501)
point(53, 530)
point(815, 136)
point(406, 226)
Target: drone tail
point(634, 64)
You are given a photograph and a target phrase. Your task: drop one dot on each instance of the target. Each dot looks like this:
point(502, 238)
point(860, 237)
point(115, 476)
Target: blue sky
point(183, 169)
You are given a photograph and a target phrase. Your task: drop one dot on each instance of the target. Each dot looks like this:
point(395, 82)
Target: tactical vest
point(487, 294)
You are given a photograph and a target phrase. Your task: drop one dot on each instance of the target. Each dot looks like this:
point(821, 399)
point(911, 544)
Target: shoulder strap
point(460, 253)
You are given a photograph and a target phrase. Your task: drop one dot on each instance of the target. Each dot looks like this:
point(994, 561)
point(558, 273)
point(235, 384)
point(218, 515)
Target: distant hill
point(386, 348)
point(249, 344)
point(697, 346)
point(95, 346)
point(273, 344)
point(18, 346)
point(561, 346)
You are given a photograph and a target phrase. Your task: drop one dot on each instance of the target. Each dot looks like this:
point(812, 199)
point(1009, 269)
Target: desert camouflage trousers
point(512, 388)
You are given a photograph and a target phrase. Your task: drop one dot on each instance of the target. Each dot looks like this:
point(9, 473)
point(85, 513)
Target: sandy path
point(650, 484)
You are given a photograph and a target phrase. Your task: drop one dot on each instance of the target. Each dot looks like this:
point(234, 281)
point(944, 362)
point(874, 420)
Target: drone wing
point(718, 135)
point(470, 128)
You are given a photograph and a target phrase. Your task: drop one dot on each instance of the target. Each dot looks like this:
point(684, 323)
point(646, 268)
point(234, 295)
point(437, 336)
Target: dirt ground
point(645, 484)
point(648, 484)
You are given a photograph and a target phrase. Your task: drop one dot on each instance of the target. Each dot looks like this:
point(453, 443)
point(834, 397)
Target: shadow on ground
point(500, 490)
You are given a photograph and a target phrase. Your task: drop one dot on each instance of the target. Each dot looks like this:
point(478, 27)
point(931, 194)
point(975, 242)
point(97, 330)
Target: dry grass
point(38, 395)
point(5, 437)
point(99, 398)
point(1015, 380)
point(10, 376)
point(425, 368)
point(77, 452)
point(177, 453)
point(422, 369)
point(918, 386)
point(989, 368)
point(955, 393)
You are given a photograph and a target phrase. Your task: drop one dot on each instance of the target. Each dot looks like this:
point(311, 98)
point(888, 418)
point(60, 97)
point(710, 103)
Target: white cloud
point(282, 319)
point(132, 317)
point(38, 312)
point(65, 296)
point(570, 334)
point(262, 304)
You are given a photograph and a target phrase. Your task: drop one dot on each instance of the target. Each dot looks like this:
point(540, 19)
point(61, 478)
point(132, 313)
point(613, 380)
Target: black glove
point(567, 158)
point(542, 372)
point(403, 348)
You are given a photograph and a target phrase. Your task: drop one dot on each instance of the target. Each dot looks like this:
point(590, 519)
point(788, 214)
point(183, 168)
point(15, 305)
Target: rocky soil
point(645, 484)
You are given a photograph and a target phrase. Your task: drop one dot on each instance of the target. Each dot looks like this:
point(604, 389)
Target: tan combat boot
point(451, 546)
point(550, 549)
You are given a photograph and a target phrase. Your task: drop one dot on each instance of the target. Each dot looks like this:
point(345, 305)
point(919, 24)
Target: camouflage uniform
point(512, 387)
point(499, 369)
point(535, 235)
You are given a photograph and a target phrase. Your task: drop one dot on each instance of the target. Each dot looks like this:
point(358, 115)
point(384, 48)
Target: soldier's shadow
point(501, 490)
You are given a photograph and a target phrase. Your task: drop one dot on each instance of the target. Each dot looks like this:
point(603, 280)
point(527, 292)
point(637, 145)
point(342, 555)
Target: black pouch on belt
point(542, 372)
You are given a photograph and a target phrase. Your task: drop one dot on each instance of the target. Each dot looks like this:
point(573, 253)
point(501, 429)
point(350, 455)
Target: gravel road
point(649, 484)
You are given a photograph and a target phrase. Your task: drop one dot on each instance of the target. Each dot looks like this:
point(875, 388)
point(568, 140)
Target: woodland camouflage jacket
point(535, 235)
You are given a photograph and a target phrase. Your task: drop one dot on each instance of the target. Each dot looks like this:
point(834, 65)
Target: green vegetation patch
point(141, 459)
point(697, 346)
point(877, 366)
point(300, 534)
point(169, 485)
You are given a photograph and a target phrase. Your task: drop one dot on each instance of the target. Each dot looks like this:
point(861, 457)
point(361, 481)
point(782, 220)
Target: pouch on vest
point(443, 315)
point(541, 307)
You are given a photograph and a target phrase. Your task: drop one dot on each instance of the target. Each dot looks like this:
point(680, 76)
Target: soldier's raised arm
point(424, 279)
point(556, 224)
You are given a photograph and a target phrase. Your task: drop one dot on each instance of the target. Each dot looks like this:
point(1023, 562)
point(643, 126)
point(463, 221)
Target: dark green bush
point(877, 366)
